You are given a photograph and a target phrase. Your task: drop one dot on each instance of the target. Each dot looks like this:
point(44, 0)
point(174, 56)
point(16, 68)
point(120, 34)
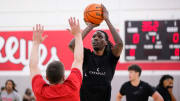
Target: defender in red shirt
point(58, 88)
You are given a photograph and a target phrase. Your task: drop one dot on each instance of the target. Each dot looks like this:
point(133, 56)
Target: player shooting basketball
point(99, 65)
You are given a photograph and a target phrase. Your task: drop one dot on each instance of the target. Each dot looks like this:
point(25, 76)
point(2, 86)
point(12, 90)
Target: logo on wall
point(15, 49)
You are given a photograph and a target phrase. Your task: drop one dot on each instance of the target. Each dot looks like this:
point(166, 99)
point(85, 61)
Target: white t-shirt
point(13, 96)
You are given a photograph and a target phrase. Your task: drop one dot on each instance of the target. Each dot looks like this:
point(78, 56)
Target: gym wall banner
point(15, 47)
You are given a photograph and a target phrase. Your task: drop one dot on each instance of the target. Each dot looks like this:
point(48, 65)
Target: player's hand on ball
point(37, 34)
point(91, 25)
point(105, 12)
point(74, 25)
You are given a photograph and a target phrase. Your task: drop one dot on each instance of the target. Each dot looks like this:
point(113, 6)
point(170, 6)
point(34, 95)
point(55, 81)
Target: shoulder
point(127, 83)
point(36, 78)
point(15, 93)
point(38, 83)
point(77, 72)
point(145, 83)
point(87, 50)
point(160, 89)
point(74, 80)
point(124, 88)
point(148, 86)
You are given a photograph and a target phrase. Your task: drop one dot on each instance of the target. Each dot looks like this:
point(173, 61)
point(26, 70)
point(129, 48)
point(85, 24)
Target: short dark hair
point(135, 68)
point(165, 77)
point(27, 91)
point(55, 72)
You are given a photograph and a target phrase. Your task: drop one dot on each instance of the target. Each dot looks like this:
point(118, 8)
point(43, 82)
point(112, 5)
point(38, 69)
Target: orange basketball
point(93, 13)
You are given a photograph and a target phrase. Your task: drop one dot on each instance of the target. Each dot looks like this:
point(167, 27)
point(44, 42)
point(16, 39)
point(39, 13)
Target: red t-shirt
point(68, 91)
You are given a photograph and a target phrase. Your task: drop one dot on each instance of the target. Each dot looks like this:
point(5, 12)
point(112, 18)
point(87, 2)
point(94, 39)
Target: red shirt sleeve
point(38, 83)
point(74, 80)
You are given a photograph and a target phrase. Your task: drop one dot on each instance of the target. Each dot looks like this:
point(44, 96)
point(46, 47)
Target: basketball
point(93, 13)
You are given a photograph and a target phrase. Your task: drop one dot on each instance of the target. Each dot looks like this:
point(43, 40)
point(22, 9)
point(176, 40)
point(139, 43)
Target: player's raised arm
point(78, 49)
point(34, 59)
point(117, 48)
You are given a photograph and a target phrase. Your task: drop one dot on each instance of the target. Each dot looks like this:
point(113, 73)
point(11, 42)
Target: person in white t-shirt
point(10, 92)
